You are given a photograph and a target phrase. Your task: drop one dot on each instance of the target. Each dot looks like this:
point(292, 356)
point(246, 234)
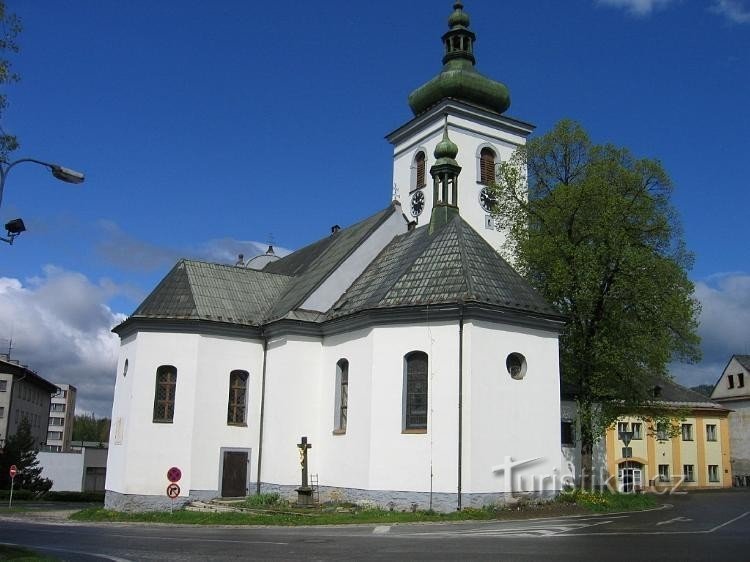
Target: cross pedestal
point(304, 492)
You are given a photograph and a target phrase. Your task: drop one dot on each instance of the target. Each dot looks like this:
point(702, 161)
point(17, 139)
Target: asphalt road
point(697, 526)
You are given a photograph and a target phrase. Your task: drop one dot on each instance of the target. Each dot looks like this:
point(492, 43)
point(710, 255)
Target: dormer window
point(487, 166)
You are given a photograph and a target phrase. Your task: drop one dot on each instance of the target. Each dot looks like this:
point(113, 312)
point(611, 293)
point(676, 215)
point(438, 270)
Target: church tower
point(468, 107)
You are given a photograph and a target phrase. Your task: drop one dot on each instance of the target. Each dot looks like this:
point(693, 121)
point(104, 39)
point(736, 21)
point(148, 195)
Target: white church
point(419, 365)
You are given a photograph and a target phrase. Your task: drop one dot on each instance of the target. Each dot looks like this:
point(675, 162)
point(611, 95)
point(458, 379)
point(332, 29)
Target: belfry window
point(419, 163)
point(164, 394)
point(237, 397)
point(342, 396)
point(487, 166)
point(415, 391)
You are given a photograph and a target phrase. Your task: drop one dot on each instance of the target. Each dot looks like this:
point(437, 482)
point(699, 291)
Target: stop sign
point(13, 471)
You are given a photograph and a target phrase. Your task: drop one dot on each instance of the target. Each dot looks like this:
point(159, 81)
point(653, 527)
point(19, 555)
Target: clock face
point(487, 200)
point(417, 203)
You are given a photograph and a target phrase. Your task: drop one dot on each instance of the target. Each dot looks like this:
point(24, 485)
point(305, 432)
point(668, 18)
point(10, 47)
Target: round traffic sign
point(174, 474)
point(173, 490)
point(13, 471)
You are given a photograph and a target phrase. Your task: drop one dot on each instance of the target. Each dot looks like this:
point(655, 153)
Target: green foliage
point(89, 428)
point(8, 552)
point(607, 501)
point(20, 450)
point(595, 233)
point(10, 27)
point(263, 500)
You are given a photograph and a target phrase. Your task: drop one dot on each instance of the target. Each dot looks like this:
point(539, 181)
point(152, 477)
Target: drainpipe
point(460, 395)
point(262, 408)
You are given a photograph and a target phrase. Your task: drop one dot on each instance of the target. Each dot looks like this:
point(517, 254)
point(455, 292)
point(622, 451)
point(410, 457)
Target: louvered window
point(419, 161)
point(487, 166)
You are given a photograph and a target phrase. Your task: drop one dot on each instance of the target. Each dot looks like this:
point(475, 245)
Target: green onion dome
point(459, 79)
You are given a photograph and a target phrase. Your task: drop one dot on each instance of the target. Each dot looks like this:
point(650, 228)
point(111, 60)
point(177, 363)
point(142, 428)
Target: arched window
point(487, 166)
point(419, 163)
point(415, 391)
point(166, 384)
point(342, 396)
point(237, 397)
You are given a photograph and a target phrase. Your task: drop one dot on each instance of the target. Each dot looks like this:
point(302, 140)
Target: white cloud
point(637, 7)
point(724, 326)
point(736, 11)
point(61, 329)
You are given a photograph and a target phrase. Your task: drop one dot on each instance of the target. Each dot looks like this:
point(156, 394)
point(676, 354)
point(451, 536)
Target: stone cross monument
point(304, 492)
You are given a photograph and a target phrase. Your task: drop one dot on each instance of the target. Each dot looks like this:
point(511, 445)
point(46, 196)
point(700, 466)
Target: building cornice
point(459, 109)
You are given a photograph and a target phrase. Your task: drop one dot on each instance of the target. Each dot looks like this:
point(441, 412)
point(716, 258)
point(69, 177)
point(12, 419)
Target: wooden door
point(234, 476)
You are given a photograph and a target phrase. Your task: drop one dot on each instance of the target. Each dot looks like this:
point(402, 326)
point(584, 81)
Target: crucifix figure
point(303, 446)
point(304, 492)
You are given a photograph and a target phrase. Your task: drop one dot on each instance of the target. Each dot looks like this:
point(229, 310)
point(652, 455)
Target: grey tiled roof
point(678, 394)
point(311, 265)
point(743, 360)
point(455, 264)
point(207, 291)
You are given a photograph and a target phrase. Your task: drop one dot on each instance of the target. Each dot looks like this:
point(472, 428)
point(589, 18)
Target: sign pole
point(13, 471)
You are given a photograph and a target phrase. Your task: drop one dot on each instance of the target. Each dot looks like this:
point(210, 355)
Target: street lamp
point(16, 226)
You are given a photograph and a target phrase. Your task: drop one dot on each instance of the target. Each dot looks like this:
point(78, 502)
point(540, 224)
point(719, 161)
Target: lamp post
point(16, 226)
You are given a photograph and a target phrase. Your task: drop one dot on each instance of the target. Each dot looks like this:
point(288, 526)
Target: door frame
point(223, 450)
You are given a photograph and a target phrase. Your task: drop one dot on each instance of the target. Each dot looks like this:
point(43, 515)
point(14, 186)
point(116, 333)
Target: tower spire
point(459, 79)
point(444, 174)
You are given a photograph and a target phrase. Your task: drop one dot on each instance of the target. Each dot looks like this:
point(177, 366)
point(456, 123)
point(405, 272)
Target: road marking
point(381, 530)
point(53, 549)
point(537, 530)
point(729, 522)
point(675, 520)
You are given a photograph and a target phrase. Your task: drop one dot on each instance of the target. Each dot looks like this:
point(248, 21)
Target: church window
point(342, 396)
point(166, 384)
point(237, 397)
point(516, 365)
point(487, 166)
point(415, 414)
point(419, 162)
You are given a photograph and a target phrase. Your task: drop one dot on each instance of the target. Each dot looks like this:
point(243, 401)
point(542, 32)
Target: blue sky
point(206, 129)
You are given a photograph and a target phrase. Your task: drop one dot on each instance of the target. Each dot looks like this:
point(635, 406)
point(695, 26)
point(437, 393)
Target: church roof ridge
point(452, 265)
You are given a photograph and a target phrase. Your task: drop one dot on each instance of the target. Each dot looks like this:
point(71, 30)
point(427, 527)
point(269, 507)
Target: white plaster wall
point(722, 390)
point(469, 136)
point(199, 429)
point(139, 465)
point(217, 357)
point(739, 436)
point(400, 461)
point(512, 418)
point(292, 408)
point(324, 297)
point(64, 469)
point(343, 460)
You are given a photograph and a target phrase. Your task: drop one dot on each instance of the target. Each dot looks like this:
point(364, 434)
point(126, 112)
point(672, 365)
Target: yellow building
point(698, 456)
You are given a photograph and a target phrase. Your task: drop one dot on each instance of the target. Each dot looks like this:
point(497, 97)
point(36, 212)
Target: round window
point(516, 365)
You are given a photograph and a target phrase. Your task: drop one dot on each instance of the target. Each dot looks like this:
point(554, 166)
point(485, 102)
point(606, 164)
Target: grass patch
point(605, 502)
point(8, 552)
point(269, 509)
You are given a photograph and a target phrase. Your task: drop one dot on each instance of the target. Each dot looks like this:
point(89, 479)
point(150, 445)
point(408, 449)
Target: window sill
point(232, 424)
point(413, 431)
point(339, 432)
point(163, 421)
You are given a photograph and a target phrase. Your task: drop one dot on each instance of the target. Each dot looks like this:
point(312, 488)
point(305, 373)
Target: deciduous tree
point(593, 229)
